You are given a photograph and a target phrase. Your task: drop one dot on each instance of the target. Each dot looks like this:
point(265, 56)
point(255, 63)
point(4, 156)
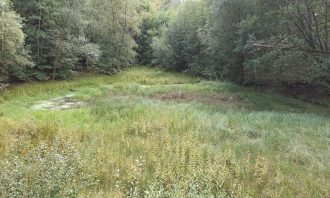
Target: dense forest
point(254, 42)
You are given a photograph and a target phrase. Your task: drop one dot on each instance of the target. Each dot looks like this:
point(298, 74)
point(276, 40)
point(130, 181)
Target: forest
point(280, 43)
point(164, 98)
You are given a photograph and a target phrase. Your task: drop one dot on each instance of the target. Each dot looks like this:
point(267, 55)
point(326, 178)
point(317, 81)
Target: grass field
point(149, 133)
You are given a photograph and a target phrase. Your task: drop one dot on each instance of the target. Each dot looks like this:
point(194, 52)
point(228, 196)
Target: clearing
point(149, 133)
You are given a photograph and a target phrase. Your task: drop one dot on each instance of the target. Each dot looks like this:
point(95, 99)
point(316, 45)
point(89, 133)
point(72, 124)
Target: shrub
point(47, 170)
point(182, 167)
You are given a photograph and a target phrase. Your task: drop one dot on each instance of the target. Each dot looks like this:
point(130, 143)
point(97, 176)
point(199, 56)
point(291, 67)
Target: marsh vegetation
point(145, 132)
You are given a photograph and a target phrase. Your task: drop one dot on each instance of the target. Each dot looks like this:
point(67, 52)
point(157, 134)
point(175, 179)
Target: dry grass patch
point(220, 100)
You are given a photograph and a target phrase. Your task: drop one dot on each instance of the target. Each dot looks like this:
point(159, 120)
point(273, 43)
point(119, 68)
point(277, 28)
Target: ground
point(149, 133)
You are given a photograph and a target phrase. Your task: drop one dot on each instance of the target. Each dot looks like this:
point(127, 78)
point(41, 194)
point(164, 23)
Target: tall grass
point(149, 133)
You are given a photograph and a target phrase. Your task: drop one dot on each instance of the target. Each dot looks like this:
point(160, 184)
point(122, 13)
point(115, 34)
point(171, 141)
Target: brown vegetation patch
point(230, 100)
point(174, 96)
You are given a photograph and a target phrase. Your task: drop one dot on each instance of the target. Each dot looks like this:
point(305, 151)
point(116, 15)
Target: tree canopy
point(251, 42)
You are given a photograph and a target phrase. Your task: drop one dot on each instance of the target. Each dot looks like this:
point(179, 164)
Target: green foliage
point(13, 56)
point(182, 171)
point(56, 170)
point(91, 53)
point(155, 17)
point(274, 25)
point(249, 42)
point(112, 25)
point(40, 163)
point(65, 37)
point(180, 46)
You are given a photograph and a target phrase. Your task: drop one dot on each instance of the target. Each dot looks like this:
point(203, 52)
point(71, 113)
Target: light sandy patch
point(63, 103)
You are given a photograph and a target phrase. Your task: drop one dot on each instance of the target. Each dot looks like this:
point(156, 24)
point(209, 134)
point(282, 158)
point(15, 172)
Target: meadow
point(145, 132)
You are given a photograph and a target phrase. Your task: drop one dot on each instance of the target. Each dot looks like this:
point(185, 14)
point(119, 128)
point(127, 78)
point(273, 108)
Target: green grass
point(149, 133)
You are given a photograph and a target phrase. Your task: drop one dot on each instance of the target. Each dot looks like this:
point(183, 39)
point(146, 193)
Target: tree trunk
point(112, 31)
point(326, 28)
point(3, 32)
point(54, 73)
point(113, 15)
point(124, 31)
point(90, 26)
point(38, 39)
point(242, 72)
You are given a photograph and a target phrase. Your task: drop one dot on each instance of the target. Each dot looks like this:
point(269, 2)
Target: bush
point(181, 167)
point(47, 170)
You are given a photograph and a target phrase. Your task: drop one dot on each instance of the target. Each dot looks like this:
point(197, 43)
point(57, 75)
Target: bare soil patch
point(63, 103)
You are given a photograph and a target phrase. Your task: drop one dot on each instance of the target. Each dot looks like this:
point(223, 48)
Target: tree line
point(48, 40)
point(250, 42)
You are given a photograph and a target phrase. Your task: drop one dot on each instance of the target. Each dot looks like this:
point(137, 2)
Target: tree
point(155, 15)
point(182, 38)
point(286, 43)
point(263, 42)
point(14, 58)
point(113, 25)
